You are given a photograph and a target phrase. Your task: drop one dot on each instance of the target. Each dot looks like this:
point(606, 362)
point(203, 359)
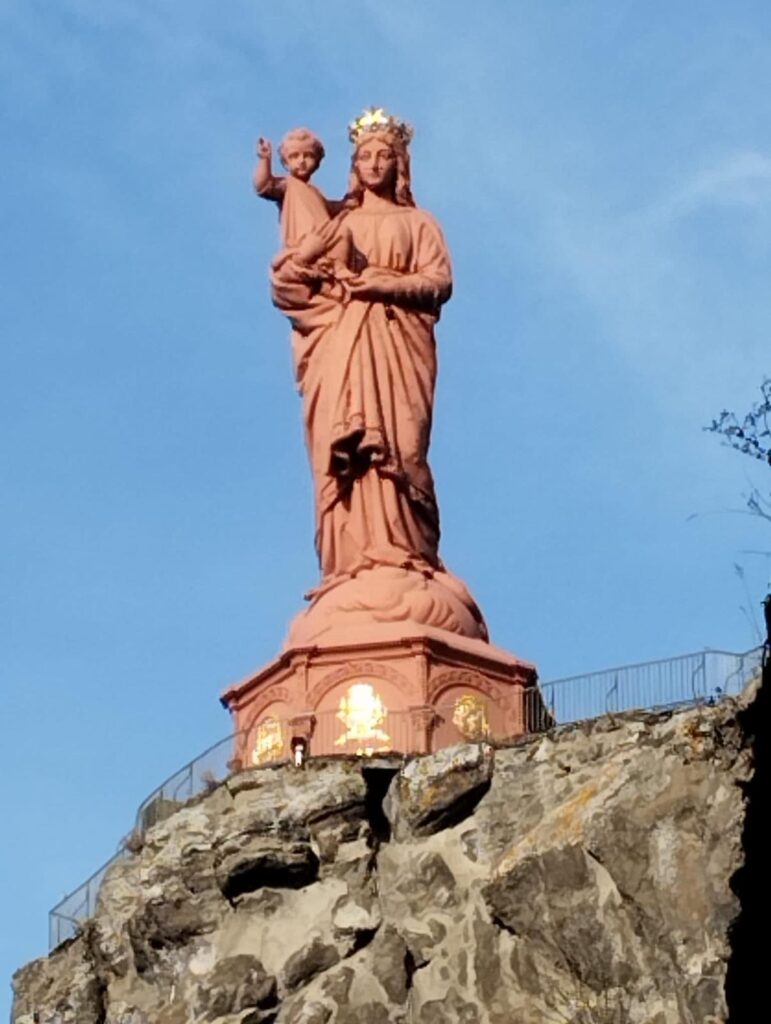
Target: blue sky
point(603, 175)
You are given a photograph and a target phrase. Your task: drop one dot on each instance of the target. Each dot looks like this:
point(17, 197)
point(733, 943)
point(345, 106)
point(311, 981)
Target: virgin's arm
point(427, 286)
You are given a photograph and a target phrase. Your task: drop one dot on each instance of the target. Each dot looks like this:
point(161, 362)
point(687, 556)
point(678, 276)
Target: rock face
point(581, 876)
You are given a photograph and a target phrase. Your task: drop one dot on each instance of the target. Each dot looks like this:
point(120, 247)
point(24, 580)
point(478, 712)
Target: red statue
point(388, 629)
point(363, 282)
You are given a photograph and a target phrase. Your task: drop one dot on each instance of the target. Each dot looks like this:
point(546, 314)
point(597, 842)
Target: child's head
point(301, 152)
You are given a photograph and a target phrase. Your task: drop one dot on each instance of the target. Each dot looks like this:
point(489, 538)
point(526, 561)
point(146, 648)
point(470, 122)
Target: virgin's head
point(380, 164)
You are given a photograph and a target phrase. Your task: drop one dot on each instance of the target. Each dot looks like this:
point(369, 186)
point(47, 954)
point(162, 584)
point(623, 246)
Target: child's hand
point(264, 149)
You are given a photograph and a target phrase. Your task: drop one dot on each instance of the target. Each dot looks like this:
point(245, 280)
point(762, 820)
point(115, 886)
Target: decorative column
point(422, 722)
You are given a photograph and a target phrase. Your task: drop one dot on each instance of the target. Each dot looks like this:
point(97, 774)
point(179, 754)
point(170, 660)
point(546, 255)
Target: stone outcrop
point(580, 876)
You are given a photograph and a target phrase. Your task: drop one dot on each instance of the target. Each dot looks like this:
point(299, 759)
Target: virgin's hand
point(373, 283)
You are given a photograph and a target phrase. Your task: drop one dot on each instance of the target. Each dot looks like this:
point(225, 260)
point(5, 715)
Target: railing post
point(609, 694)
point(701, 667)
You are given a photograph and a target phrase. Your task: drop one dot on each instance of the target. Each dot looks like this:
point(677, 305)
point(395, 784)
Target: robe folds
point(366, 372)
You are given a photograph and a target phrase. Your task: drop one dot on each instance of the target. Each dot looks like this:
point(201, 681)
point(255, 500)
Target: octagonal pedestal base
point(407, 689)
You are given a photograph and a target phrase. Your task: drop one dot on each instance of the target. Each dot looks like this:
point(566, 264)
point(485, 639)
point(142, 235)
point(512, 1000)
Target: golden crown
point(375, 119)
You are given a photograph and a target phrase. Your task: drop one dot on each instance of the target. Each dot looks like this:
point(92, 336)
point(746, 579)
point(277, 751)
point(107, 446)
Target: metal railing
point(196, 777)
point(67, 916)
point(701, 678)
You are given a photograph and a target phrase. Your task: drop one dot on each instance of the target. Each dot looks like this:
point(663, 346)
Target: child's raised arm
point(266, 184)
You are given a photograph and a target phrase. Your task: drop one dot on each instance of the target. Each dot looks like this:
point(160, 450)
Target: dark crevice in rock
point(745, 986)
point(261, 873)
point(460, 809)
point(362, 938)
point(410, 967)
point(595, 856)
point(377, 781)
point(500, 923)
point(101, 995)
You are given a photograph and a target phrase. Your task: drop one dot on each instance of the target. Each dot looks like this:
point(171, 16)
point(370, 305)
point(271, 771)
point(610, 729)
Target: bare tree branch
point(750, 435)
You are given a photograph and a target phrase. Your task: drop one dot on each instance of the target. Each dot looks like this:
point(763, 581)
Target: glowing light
point(376, 119)
point(363, 714)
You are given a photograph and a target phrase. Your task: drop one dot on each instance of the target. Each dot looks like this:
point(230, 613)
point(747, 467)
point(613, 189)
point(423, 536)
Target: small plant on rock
point(209, 781)
point(134, 842)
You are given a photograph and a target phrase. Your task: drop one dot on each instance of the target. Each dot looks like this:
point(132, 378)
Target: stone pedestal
point(406, 687)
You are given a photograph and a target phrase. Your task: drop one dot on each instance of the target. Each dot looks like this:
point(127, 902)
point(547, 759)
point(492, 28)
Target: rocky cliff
point(581, 876)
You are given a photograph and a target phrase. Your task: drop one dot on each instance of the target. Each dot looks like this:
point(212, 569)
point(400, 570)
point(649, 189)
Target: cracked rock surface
point(580, 876)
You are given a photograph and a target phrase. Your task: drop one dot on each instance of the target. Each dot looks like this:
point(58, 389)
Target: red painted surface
point(410, 693)
point(392, 651)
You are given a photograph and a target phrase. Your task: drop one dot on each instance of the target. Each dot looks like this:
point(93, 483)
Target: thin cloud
point(742, 179)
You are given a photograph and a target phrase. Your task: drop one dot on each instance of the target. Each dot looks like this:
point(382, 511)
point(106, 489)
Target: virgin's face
point(376, 165)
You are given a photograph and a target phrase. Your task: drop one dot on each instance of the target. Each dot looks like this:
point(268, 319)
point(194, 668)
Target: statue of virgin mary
point(365, 359)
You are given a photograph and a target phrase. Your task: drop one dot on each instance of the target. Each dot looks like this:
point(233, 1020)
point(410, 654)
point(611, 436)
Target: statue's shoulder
point(427, 225)
point(422, 214)
point(427, 218)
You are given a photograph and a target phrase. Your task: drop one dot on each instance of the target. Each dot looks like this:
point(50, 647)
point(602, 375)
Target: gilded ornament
point(268, 742)
point(363, 714)
point(375, 119)
point(470, 717)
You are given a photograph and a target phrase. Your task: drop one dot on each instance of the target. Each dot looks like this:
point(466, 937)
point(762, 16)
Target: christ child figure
point(302, 206)
point(310, 230)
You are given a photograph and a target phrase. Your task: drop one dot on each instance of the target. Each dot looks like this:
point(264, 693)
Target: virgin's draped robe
point(366, 372)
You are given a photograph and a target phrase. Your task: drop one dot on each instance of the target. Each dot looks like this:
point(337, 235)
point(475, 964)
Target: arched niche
point(466, 714)
point(364, 714)
point(268, 735)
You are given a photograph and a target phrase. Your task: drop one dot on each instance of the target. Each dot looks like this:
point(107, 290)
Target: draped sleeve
point(430, 283)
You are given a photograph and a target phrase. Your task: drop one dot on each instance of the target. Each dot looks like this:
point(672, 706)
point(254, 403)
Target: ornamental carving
point(358, 669)
point(463, 677)
point(273, 695)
